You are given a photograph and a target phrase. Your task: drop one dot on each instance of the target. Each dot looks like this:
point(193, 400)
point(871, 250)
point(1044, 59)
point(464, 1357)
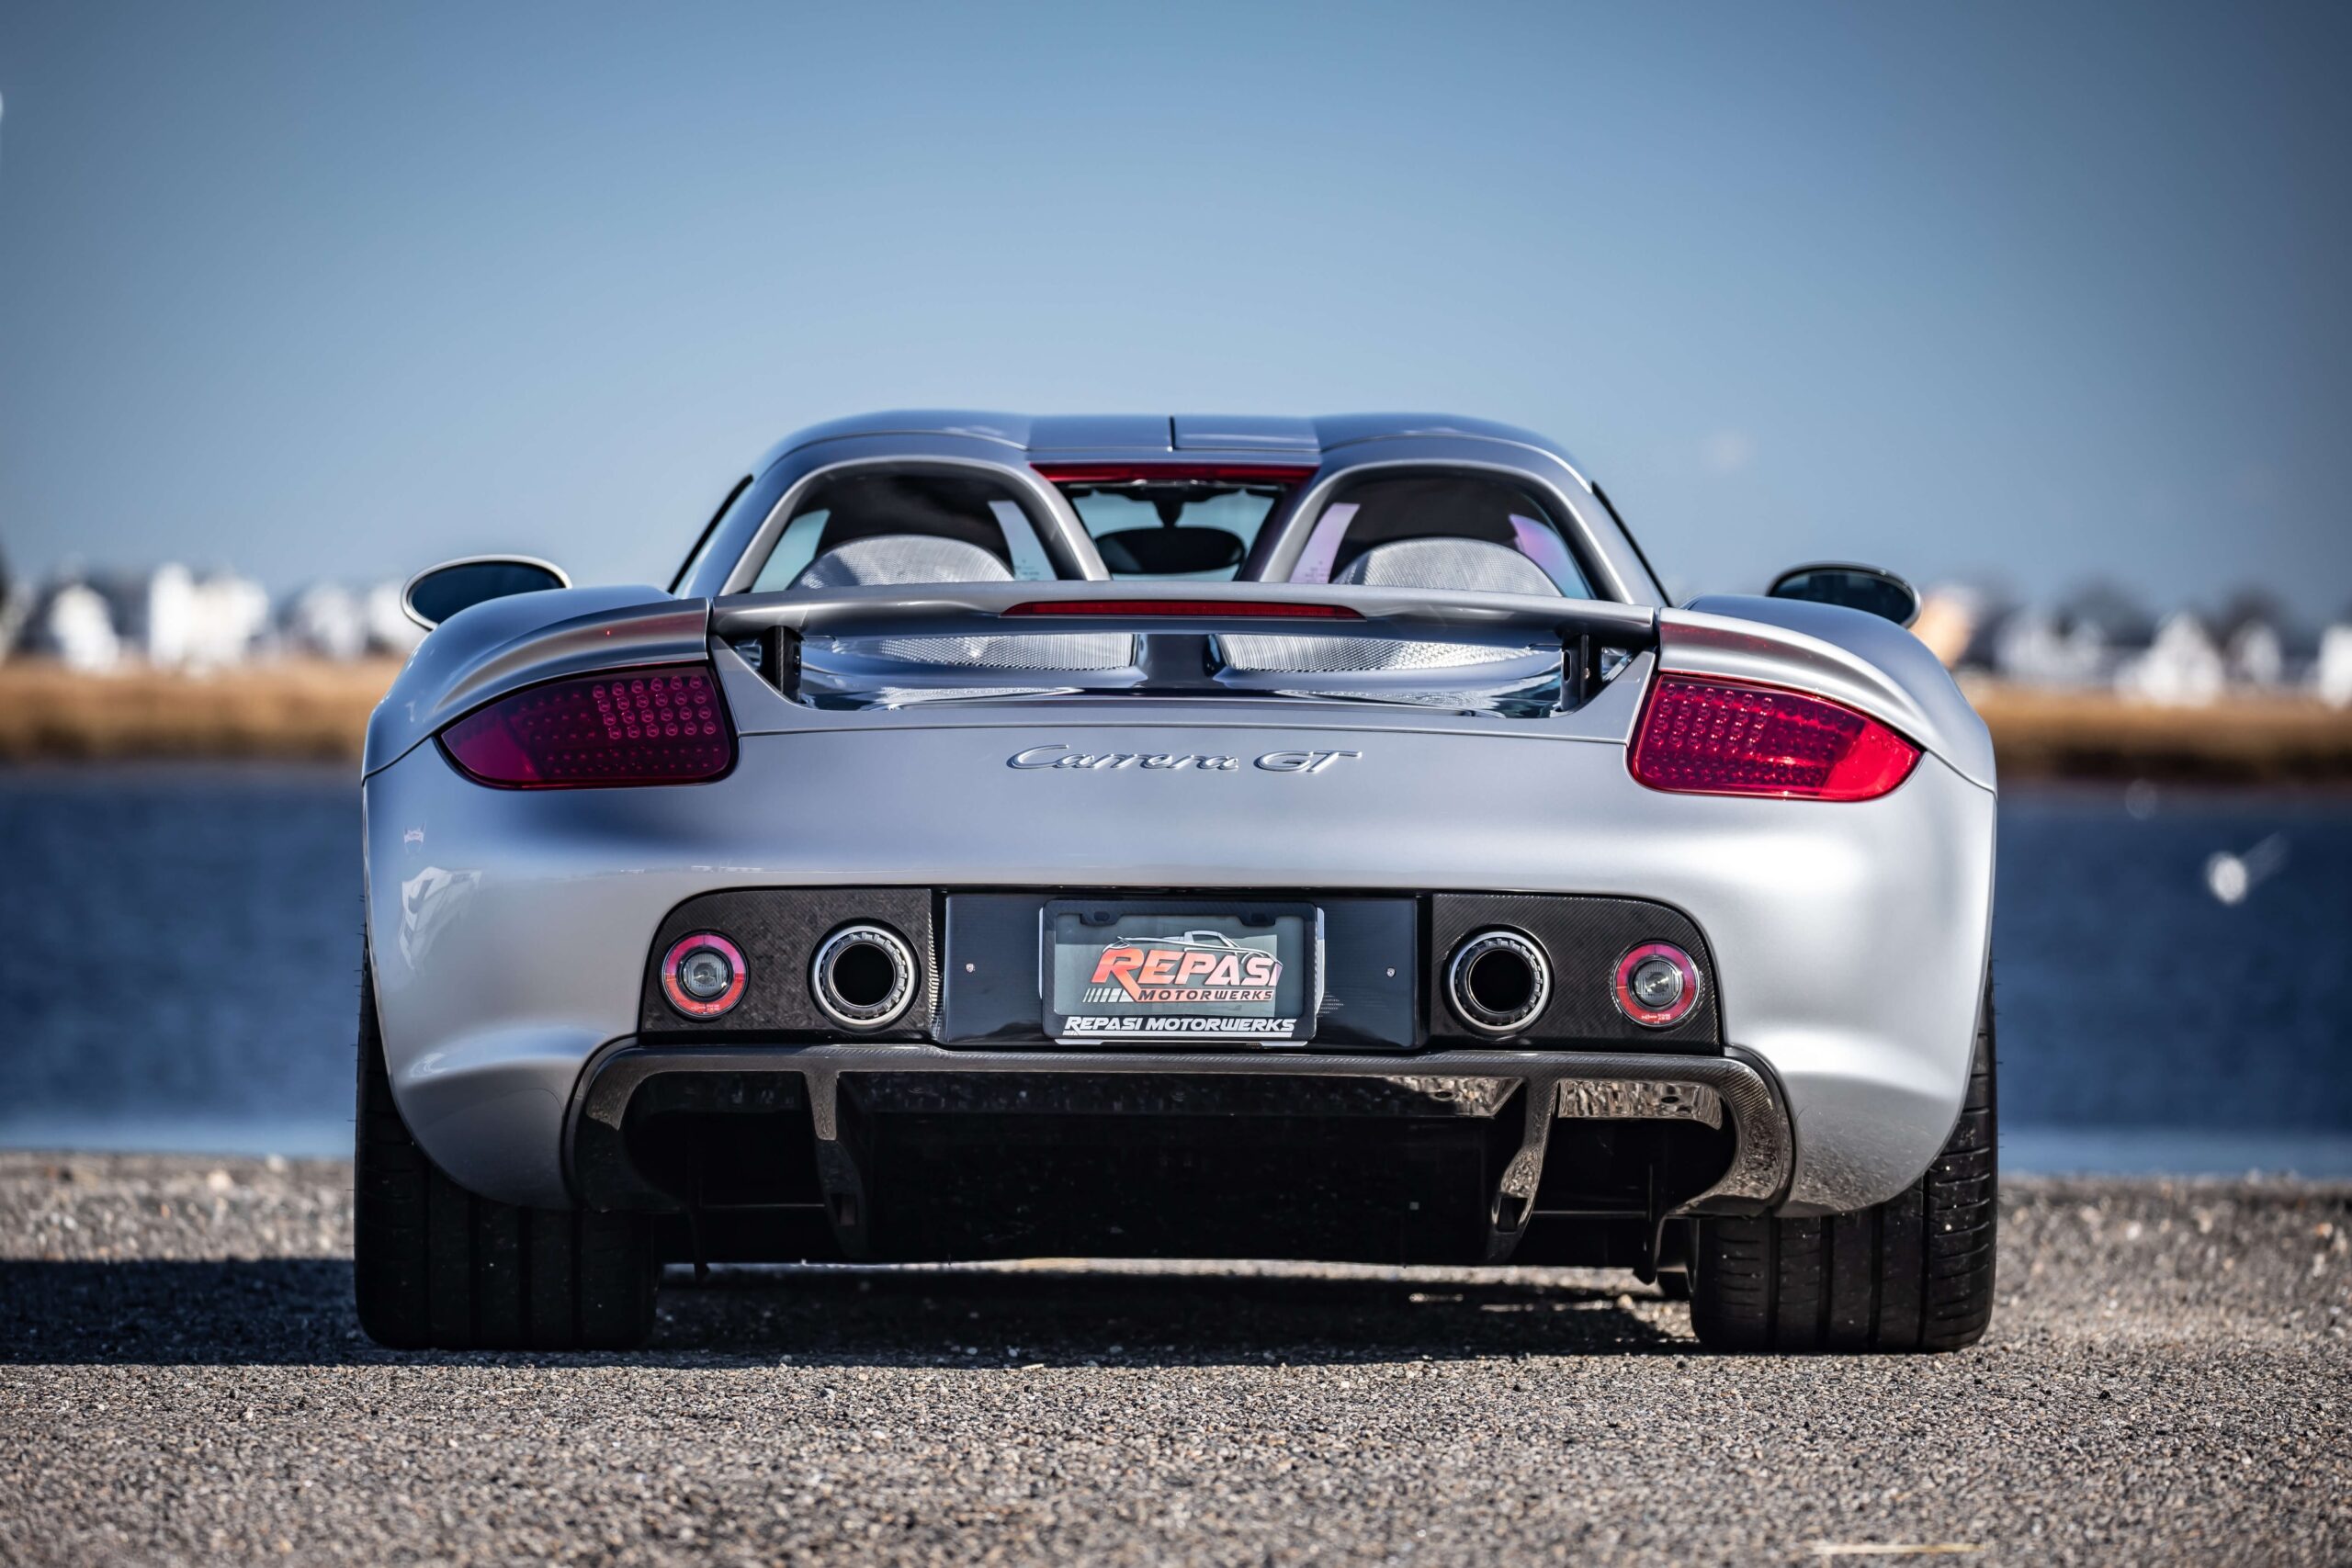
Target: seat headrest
point(1476, 565)
point(901, 557)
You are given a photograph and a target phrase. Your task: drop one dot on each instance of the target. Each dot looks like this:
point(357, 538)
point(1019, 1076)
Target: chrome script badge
point(1058, 756)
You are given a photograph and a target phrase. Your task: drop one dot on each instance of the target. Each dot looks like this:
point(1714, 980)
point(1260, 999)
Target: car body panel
point(509, 929)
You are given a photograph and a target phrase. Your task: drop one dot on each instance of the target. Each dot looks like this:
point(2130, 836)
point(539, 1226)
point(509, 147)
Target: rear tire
point(1913, 1273)
point(435, 1267)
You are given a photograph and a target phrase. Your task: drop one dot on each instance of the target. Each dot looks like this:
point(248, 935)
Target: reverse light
point(703, 974)
point(1726, 737)
point(663, 724)
point(1657, 985)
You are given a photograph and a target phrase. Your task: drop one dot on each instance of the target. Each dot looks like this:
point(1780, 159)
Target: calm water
point(2145, 1024)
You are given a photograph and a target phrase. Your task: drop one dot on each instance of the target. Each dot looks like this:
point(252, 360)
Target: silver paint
point(510, 929)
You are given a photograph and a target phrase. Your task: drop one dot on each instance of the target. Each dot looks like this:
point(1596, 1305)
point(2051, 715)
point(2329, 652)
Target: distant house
point(2037, 648)
point(2181, 666)
point(327, 620)
point(389, 628)
point(73, 623)
point(230, 620)
point(179, 620)
point(2083, 643)
point(324, 621)
point(2261, 643)
point(168, 617)
point(2331, 668)
point(2113, 618)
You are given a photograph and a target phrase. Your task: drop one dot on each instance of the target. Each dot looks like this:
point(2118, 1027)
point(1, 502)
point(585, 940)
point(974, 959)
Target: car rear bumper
point(1526, 1101)
point(510, 931)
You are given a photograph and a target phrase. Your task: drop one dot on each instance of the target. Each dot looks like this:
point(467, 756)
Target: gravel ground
point(2169, 1379)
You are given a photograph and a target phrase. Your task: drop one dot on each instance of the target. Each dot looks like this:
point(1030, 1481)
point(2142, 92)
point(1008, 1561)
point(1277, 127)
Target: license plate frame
point(1152, 989)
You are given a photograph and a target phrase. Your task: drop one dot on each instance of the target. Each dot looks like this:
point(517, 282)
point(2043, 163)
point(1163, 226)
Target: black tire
point(435, 1267)
point(1913, 1273)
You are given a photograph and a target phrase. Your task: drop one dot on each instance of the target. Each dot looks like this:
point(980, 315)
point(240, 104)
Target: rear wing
point(1173, 623)
point(504, 644)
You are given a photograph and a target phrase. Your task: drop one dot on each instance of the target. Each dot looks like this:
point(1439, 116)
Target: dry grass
point(2241, 738)
point(290, 710)
point(299, 710)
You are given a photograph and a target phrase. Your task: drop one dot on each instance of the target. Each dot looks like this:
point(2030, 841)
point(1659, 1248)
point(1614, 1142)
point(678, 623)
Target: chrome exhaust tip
point(864, 977)
point(1499, 981)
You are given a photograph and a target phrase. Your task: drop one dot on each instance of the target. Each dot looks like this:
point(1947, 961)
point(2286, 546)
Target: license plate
point(1139, 970)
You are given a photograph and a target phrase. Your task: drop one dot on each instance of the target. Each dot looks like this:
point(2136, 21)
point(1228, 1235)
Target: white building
point(2332, 671)
point(176, 620)
point(75, 624)
point(2180, 667)
point(2034, 647)
point(2256, 655)
point(389, 628)
point(325, 620)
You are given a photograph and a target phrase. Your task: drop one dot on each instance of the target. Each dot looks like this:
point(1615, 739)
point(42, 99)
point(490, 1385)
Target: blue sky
point(2040, 294)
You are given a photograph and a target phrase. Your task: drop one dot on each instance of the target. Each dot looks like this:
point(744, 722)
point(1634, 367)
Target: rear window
point(1393, 509)
point(1174, 529)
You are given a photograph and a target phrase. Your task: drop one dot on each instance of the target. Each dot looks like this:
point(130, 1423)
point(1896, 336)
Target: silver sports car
point(1193, 837)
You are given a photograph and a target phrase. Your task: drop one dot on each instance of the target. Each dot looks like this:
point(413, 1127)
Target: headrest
point(901, 557)
point(1476, 565)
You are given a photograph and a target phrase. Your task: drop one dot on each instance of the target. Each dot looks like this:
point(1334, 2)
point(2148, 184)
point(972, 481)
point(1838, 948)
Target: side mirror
point(1855, 587)
point(438, 592)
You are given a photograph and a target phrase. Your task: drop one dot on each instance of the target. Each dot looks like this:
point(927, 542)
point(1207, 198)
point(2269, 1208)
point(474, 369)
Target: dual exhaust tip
point(1498, 982)
point(863, 978)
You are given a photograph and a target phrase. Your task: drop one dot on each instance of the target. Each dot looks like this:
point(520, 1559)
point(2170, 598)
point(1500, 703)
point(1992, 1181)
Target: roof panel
point(1245, 433)
point(1098, 432)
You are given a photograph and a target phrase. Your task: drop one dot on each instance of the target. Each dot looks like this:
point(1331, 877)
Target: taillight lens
point(624, 726)
point(1723, 738)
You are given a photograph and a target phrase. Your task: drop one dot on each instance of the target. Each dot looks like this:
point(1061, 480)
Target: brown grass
point(306, 710)
point(2239, 740)
point(290, 710)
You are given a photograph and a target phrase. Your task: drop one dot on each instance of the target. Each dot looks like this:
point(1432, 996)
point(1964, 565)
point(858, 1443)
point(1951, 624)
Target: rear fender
point(505, 644)
point(1860, 659)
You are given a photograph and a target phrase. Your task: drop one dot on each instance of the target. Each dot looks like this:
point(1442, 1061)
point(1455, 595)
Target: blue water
point(179, 950)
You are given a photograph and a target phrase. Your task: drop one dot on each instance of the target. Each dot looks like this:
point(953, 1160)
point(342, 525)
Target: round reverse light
point(703, 974)
point(1657, 985)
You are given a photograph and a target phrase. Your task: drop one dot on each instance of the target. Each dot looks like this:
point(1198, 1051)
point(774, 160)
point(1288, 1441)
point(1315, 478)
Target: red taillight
point(624, 726)
point(1187, 609)
point(1176, 473)
point(1721, 737)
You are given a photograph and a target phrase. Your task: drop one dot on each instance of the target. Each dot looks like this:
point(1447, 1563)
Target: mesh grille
point(1352, 655)
point(1085, 650)
point(900, 559)
point(1450, 563)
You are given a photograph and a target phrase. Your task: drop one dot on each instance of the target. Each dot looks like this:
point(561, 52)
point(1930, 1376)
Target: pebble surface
point(2168, 1379)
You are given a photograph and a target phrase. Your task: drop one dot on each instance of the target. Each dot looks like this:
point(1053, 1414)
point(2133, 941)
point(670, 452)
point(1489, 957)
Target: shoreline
point(317, 711)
